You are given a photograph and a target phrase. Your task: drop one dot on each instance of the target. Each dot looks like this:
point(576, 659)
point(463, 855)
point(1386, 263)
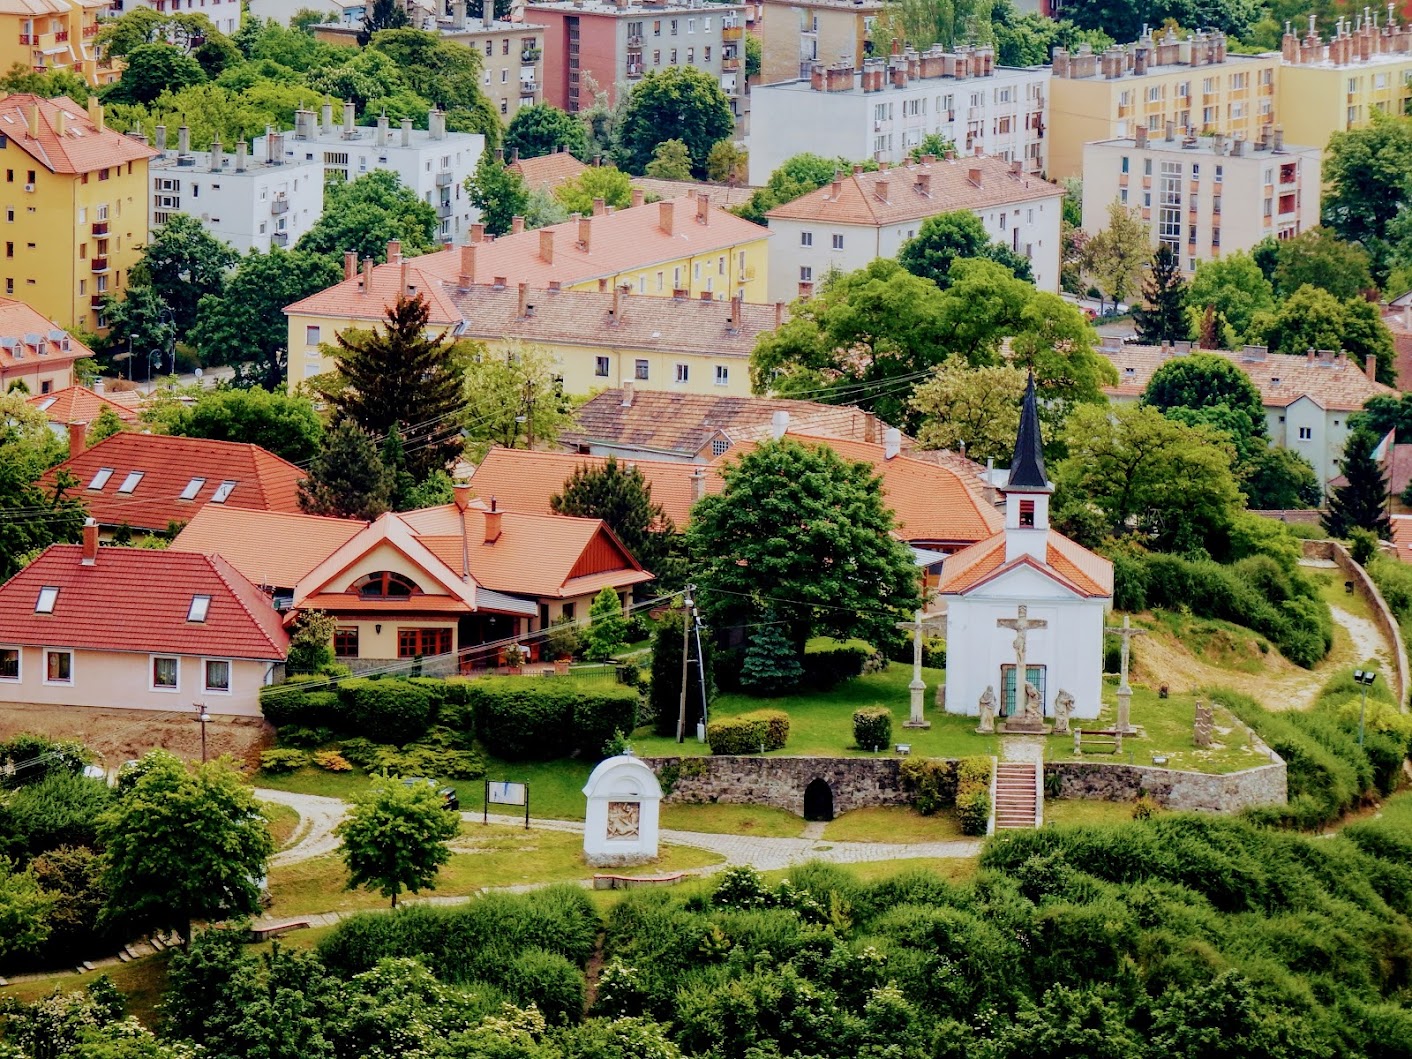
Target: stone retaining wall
point(1382, 613)
point(1170, 788)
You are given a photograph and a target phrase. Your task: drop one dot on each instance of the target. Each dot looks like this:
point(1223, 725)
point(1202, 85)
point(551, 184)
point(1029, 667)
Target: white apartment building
point(862, 216)
point(250, 203)
point(1203, 196)
point(224, 14)
point(883, 109)
point(432, 162)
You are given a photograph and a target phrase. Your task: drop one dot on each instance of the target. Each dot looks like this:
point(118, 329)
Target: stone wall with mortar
point(1170, 788)
point(1382, 613)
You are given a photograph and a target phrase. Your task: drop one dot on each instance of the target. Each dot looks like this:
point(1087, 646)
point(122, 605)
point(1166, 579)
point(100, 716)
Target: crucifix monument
point(918, 687)
point(1030, 716)
point(1125, 693)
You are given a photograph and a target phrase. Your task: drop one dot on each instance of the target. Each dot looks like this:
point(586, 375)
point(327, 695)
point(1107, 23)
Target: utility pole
point(685, 652)
point(203, 717)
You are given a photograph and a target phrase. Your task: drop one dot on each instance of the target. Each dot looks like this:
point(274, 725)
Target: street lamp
point(1365, 678)
point(203, 717)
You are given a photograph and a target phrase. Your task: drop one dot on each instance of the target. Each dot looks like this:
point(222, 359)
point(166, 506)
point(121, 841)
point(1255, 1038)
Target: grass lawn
point(889, 823)
point(484, 856)
point(1075, 811)
point(760, 820)
point(1330, 584)
point(142, 981)
point(1215, 642)
point(952, 869)
point(283, 820)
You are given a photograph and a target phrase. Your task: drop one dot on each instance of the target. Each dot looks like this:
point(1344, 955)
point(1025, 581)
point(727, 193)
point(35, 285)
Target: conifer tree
point(347, 479)
point(607, 628)
point(771, 665)
point(1362, 501)
point(1162, 315)
point(396, 376)
point(621, 497)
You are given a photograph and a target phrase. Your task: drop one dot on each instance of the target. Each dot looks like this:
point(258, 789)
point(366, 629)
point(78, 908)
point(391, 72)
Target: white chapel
point(1026, 596)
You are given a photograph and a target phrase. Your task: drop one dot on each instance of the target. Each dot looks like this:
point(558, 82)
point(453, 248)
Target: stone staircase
point(1016, 794)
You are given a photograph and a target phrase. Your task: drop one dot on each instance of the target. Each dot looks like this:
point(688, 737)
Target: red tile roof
point(28, 340)
point(915, 191)
point(81, 148)
point(168, 465)
point(79, 404)
point(270, 548)
point(1402, 536)
point(548, 171)
point(1071, 564)
point(137, 599)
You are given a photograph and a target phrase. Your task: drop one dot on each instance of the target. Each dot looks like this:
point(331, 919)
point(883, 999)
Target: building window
point(385, 584)
point(417, 643)
point(166, 672)
point(200, 607)
point(1027, 514)
point(640, 370)
point(9, 663)
point(600, 367)
point(1306, 433)
point(1033, 674)
point(723, 375)
point(345, 643)
point(48, 596)
point(222, 493)
point(217, 676)
point(806, 274)
point(837, 241)
point(58, 666)
point(806, 238)
point(683, 373)
point(311, 335)
point(130, 482)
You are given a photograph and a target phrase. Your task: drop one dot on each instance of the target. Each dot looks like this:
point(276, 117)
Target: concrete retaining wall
point(1382, 613)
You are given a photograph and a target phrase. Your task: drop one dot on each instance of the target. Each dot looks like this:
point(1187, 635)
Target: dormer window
point(192, 488)
point(130, 482)
point(48, 596)
point(199, 606)
point(385, 584)
point(101, 478)
point(223, 491)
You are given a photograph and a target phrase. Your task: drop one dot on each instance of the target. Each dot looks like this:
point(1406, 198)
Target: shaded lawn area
point(484, 856)
point(761, 821)
point(893, 823)
point(1085, 811)
point(141, 981)
point(284, 819)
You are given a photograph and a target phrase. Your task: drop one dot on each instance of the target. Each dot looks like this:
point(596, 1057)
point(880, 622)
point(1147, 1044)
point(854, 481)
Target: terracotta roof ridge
point(220, 567)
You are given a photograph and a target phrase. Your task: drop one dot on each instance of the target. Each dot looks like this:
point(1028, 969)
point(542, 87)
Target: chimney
point(403, 287)
point(240, 156)
point(664, 215)
point(706, 296)
point(737, 311)
point(638, 198)
point(217, 156)
point(159, 138)
point(32, 119)
point(585, 232)
point(779, 315)
point(1140, 137)
point(698, 484)
point(468, 265)
point(384, 132)
point(517, 225)
point(350, 264)
point(487, 15)
point(524, 307)
point(546, 245)
point(462, 492)
point(627, 395)
point(367, 274)
point(95, 113)
point(477, 232)
point(1370, 367)
point(779, 424)
point(703, 208)
point(90, 542)
point(1279, 139)
point(349, 113)
point(892, 443)
point(880, 188)
point(78, 438)
point(600, 207)
point(974, 176)
point(617, 304)
point(183, 140)
point(492, 523)
point(394, 251)
point(61, 122)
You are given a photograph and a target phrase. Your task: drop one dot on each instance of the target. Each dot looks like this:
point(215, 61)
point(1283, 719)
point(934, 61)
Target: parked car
point(449, 798)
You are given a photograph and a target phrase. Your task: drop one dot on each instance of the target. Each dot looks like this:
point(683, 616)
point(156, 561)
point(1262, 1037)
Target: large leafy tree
point(24, 911)
point(140, 333)
point(1161, 317)
point(619, 495)
point(599, 182)
point(150, 70)
point(1319, 258)
point(671, 160)
point(513, 398)
point(1362, 501)
point(801, 532)
point(363, 214)
point(958, 234)
point(184, 843)
point(977, 409)
point(284, 424)
point(681, 103)
point(1203, 380)
point(1235, 289)
point(245, 321)
point(396, 837)
point(183, 262)
point(1368, 180)
point(1279, 480)
point(446, 73)
point(395, 375)
point(798, 175)
point(499, 193)
point(543, 129)
point(1115, 256)
point(1312, 318)
point(1168, 482)
point(31, 518)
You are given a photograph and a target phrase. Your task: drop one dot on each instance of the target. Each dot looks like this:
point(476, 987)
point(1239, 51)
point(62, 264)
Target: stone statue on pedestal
point(1063, 707)
point(987, 724)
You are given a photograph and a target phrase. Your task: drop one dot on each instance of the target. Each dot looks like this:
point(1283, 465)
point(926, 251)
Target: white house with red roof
point(1066, 591)
point(134, 628)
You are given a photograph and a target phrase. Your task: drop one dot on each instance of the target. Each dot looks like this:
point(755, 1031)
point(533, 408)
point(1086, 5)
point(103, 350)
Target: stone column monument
point(918, 687)
point(1125, 693)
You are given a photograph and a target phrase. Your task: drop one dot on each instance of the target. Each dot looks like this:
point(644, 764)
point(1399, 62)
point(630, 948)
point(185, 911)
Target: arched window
point(385, 584)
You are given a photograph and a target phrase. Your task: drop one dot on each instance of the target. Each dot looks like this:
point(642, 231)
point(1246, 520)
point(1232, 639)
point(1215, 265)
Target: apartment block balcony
point(529, 88)
point(90, 31)
point(634, 71)
point(27, 39)
point(531, 55)
point(95, 302)
point(62, 36)
point(443, 176)
point(732, 32)
point(100, 264)
point(445, 210)
point(730, 63)
point(279, 239)
point(100, 229)
point(279, 205)
point(635, 41)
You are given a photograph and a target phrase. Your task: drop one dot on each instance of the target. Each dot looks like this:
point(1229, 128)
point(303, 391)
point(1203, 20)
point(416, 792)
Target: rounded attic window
point(385, 584)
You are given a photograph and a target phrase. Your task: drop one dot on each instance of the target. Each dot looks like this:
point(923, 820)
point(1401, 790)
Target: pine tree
point(1363, 500)
point(607, 628)
point(397, 376)
point(621, 497)
point(771, 665)
point(1162, 315)
point(347, 479)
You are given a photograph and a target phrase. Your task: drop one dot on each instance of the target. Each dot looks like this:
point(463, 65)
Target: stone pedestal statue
point(918, 687)
point(1063, 708)
point(987, 725)
point(1029, 717)
point(621, 821)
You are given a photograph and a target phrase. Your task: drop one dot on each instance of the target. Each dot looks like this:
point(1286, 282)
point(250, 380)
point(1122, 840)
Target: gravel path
point(317, 818)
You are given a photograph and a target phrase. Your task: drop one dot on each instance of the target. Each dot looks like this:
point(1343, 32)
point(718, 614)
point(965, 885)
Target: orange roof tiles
point(1401, 526)
point(1085, 572)
point(81, 147)
point(915, 191)
point(169, 466)
point(273, 549)
point(547, 171)
point(727, 195)
point(521, 480)
point(137, 599)
point(79, 404)
point(28, 340)
point(1332, 382)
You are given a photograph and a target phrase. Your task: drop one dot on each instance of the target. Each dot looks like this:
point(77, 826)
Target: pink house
point(134, 628)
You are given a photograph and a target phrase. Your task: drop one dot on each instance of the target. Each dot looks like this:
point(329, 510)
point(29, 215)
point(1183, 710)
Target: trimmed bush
point(872, 727)
point(931, 781)
point(973, 795)
point(548, 981)
point(831, 666)
point(301, 738)
point(292, 703)
point(534, 718)
point(750, 733)
point(391, 711)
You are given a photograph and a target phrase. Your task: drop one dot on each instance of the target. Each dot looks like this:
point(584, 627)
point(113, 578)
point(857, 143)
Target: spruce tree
point(771, 665)
point(621, 497)
point(1362, 501)
point(396, 376)
point(1162, 315)
point(383, 14)
point(347, 479)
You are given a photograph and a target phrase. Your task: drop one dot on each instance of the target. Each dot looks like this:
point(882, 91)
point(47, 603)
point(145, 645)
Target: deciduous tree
point(281, 423)
point(597, 182)
point(152, 69)
point(1162, 317)
point(727, 163)
point(671, 160)
point(498, 193)
point(543, 129)
point(513, 398)
point(1312, 318)
point(31, 517)
point(619, 495)
point(978, 408)
point(24, 911)
point(1235, 289)
point(679, 102)
point(607, 629)
point(945, 237)
point(1319, 258)
point(380, 15)
point(364, 214)
point(396, 837)
point(1366, 183)
point(1116, 256)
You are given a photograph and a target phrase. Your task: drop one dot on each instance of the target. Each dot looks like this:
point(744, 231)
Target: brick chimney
point(698, 484)
point(367, 275)
point(638, 197)
point(492, 523)
point(517, 225)
point(779, 315)
point(90, 542)
point(350, 264)
point(665, 215)
point(618, 303)
point(974, 176)
point(627, 395)
point(585, 231)
point(546, 245)
point(462, 492)
point(1370, 367)
point(703, 208)
point(468, 265)
point(600, 207)
point(477, 233)
point(78, 438)
point(524, 301)
point(394, 251)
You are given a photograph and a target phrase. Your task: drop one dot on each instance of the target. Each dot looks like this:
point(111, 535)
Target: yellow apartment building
point(796, 34)
point(1331, 87)
point(74, 195)
point(44, 35)
point(1191, 83)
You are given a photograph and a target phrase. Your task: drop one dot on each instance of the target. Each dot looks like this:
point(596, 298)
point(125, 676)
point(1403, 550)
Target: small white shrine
point(1025, 600)
point(624, 805)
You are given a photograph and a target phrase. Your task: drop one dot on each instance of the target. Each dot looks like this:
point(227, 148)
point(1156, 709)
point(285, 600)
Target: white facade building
point(247, 202)
point(432, 162)
point(862, 216)
point(224, 14)
point(885, 108)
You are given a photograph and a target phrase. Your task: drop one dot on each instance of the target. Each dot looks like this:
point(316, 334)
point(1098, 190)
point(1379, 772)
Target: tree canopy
point(1236, 290)
point(543, 128)
point(1366, 183)
point(363, 215)
point(1361, 502)
point(597, 182)
point(182, 262)
point(31, 517)
point(1161, 315)
point(946, 237)
point(279, 422)
point(1319, 258)
point(681, 103)
point(1115, 257)
point(396, 835)
point(974, 408)
point(499, 193)
point(619, 495)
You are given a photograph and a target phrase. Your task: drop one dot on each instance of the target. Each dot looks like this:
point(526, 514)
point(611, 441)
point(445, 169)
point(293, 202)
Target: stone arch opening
point(818, 801)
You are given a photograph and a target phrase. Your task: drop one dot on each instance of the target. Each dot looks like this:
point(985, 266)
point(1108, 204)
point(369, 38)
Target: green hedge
point(832, 666)
point(973, 795)
point(749, 733)
point(872, 727)
point(936, 783)
point(537, 718)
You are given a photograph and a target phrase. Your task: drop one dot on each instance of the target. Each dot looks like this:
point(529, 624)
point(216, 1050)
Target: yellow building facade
point(1333, 86)
point(1192, 83)
point(74, 195)
point(44, 35)
point(795, 34)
